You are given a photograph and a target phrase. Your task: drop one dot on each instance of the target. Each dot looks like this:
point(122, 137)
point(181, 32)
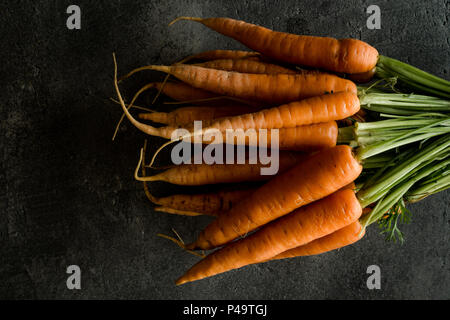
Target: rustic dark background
point(67, 194)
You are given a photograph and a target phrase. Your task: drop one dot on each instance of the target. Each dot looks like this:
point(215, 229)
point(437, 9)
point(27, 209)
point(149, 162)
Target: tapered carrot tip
point(181, 280)
point(165, 69)
point(185, 18)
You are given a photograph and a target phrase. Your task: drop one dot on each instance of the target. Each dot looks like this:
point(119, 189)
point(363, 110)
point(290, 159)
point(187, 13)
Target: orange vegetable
point(298, 228)
point(221, 54)
point(246, 66)
point(315, 177)
point(203, 174)
point(338, 239)
point(212, 203)
point(344, 55)
point(305, 138)
point(178, 91)
point(314, 110)
point(267, 88)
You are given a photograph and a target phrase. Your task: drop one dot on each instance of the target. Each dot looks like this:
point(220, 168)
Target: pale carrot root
point(181, 212)
point(267, 88)
point(221, 54)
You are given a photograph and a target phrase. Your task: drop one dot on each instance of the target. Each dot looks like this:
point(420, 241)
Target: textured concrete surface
point(67, 195)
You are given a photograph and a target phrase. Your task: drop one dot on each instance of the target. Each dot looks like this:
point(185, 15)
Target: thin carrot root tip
point(180, 243)
point(160, 89)
point(185, 18)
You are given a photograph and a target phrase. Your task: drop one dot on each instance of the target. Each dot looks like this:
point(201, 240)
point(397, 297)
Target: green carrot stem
point(389, 178)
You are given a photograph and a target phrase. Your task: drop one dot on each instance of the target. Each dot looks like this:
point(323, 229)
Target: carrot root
point(185, 18)
point(180, 212)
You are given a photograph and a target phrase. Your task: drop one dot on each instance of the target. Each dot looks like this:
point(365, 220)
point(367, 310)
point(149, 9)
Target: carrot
point(221, 54)
point(202, 174)
point(187, 115)
point(298, 228)
point(268, 88)
point(344, 55)
point(212, 203)
point(363, 77)
point(301, 138)
point(180, 212)
point(311, 179)
point(309, 111)
point(338, 239)
point(246, 66)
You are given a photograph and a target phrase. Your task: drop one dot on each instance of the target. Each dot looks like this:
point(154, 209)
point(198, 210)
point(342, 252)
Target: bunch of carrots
point(351, 155)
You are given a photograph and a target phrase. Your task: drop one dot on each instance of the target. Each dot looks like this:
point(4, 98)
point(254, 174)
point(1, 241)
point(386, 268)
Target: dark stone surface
point(67, 194)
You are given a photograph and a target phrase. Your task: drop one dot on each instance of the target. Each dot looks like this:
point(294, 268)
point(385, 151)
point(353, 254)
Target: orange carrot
point(203, 174)
point(338, 239)
point(267, 88)
point(187, 115)
point(221, 54)
point(309, 111)
point(311, 179)
point(301, 138)
point(246, 66)
point(298, 228)
point(363, 77)
point(305, 138)
point(212, 203)
point(344, 55)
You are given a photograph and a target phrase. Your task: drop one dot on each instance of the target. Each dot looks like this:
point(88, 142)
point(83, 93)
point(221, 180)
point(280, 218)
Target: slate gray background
point(67, 195)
